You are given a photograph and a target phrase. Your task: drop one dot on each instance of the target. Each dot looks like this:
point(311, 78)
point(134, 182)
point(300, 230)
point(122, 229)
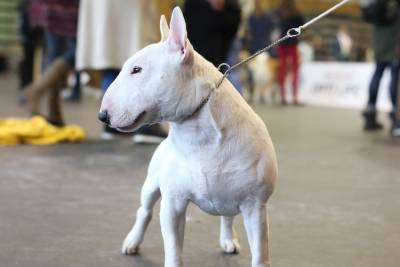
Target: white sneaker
point(147, 139)
point(153, 134)
point(107, 136)
point(396, 132)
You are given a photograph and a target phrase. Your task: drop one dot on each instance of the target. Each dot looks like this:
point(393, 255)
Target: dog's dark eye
point(136, 70)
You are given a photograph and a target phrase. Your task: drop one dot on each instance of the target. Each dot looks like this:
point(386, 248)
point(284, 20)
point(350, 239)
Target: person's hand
point(217, 4)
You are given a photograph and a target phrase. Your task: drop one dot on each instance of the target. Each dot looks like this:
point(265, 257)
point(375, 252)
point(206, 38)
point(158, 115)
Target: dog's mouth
point(134, 125)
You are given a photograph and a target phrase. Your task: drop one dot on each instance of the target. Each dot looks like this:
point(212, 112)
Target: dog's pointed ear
point(178, 35)
point(164, 29)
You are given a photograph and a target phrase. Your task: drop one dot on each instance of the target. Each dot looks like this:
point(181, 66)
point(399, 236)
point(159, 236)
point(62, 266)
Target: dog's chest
point(217, 182)
point(219, 193)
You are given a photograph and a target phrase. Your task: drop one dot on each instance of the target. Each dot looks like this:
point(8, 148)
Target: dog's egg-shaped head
point(152, 82)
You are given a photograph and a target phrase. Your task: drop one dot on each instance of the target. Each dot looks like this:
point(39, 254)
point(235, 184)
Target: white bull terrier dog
point(218, 154)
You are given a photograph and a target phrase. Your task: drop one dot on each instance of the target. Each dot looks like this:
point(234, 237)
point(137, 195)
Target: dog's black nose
point(104, 117)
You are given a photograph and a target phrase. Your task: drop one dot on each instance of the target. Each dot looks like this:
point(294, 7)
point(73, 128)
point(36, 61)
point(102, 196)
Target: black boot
point(371, 124)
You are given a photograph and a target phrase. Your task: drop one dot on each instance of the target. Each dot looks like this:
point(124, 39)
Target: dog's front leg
point(172, 219)
point(227, 238)
point(256, 224)
point(149, 195)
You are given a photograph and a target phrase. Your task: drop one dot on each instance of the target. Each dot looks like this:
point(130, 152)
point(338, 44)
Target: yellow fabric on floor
point(37, 131)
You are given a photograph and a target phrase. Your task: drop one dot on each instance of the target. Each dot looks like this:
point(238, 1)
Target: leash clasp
point(294, 32)
point(226, 65)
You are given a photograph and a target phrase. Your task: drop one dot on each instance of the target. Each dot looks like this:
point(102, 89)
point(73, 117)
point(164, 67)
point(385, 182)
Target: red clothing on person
point(288, 54)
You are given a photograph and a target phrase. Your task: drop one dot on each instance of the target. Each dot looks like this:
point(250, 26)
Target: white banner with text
point(341, 85)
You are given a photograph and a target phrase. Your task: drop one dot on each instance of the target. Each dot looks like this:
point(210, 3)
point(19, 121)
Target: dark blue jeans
point(108, 76)
point(57, 46)
point(376, 80)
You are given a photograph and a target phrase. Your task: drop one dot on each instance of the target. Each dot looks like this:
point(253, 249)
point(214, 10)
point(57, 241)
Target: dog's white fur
point(221, 158)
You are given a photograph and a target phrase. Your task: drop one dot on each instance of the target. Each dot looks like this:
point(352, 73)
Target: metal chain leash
point(292, 33)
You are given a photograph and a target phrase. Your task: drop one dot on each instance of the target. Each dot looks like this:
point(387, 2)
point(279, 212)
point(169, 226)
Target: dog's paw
point(130, 245)
point(130, 249)
point(230, 246)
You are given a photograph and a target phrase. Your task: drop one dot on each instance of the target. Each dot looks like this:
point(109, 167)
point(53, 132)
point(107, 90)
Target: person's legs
point(282, 51)
point(54, 77)
point(107, 77)
point(31, 39)
point(370, 112)
point(375, 82)
point(69, 55)
point(395, 131)
point(55, 116)
point(394, 96)
point(394, 84)
point(51, 81)
point(294, 55)
point(25, 73)
point(26, 65)
point(68, 46)
point(76, 89)
point(54, 48)
point(70, 51)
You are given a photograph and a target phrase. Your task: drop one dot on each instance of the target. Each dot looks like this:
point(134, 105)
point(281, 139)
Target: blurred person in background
point(385, 16)
point(290, 17)
point(30, 28)
point(306, 50)
point(343, 44)
point(110, 32)
point(212, 26)
point(233, 58)
point(60, 24)
point(262, 30)
point(27, 40)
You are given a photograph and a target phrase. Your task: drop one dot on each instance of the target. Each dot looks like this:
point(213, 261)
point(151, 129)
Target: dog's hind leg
point(149, 196)
point(228, 239)
point(256, 224)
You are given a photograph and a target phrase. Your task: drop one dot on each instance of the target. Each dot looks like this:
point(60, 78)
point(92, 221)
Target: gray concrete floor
point(336, 204)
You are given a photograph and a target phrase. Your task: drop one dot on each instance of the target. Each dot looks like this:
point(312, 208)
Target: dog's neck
point(200, 126)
